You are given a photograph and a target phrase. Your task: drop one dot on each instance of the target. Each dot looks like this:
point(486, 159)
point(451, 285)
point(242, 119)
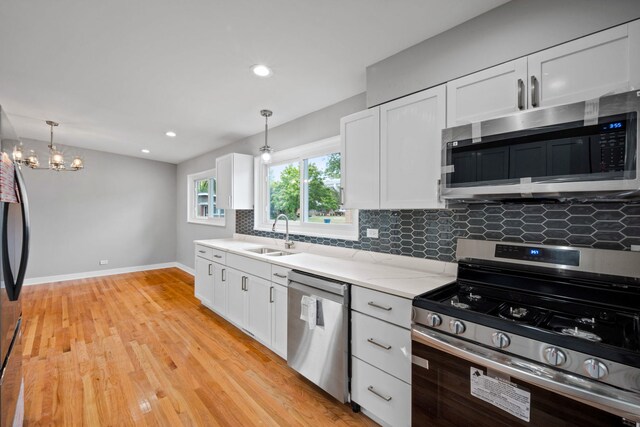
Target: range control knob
point(595, 368)
point(457, 327)
point(554, 356)
point(434, 320)
point(500, 339)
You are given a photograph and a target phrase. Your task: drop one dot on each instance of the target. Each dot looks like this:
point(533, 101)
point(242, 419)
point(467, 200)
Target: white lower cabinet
point(204, 281)
point(235, 296)
point(250, 293)
point(381, 355)
point(279, 319)
point(258, 308)
point(382, 344)
point(220, 283)
point(381, 394)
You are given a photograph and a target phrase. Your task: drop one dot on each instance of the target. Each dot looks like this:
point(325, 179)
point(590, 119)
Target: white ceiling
point(117, 74)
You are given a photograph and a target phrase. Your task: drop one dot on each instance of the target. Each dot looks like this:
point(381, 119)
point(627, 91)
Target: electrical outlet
point(372, 232)
point(104, 261)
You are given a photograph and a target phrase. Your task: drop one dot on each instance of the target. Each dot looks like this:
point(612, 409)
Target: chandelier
point(265, 150)
point(56, 158)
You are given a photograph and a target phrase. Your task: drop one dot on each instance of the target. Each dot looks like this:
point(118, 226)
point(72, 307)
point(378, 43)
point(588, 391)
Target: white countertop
point(402, 282)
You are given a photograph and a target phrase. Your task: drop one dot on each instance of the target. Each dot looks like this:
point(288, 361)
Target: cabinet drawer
point(387, 307)
point(384, 396)
point(279, 275)
point(204, 252)
point(381, 344)
point(211, 254)
point(249, 265)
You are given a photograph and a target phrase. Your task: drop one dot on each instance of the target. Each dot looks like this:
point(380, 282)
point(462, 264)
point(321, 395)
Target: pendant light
point(56, 158)
point(265, 150)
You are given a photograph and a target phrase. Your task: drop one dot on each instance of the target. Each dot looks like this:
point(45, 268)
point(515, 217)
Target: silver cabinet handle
point(223, 276)
point(202, 252)
point(217, 256)
point(245, 286)
point(282, 276)
point(439, 190)
point(520, 94)
point(271, 294)
point(381, 307)
point(374, 342)
point(535, 90)
point(229, 201)
point(210, 272)
point(342, 195)
point(377, 393)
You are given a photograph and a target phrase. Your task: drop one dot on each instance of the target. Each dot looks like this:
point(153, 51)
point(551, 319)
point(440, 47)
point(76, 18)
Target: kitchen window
point(201, 199)
point(304, 184)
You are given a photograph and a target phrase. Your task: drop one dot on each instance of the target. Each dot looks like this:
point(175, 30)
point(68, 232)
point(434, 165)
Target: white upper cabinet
point(410, 141)
point(234, 181)
point(360, 160)
point(493, 92)
point(586, 68)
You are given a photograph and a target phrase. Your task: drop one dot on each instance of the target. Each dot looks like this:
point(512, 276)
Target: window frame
point(191, 200)
point(299, 154)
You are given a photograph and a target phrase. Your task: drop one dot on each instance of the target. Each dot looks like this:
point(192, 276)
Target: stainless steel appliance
point(585, 149)
point(14, 253)
point(318, 331)
point(530, 335)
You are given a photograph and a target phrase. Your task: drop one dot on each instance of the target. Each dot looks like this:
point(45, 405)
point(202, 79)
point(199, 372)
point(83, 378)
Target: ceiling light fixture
point(170, 134)
point(265, 150)
point(56, 158)
point(145, 151)
point(261, 70)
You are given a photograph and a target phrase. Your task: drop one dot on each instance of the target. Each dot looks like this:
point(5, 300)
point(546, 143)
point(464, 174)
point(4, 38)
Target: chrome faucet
point(287, 243)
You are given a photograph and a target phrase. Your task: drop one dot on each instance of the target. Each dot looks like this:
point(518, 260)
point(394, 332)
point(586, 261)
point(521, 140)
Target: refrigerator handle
point(26, 232)
point(9, 284)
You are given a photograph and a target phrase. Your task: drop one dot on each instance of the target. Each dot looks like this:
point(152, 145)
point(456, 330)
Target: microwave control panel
point(613, 141)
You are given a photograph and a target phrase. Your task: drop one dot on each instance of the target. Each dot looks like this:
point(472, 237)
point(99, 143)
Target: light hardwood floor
point(139, 349)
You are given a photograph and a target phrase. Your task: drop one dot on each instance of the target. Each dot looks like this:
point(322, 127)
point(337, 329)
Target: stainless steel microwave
point(587, 149)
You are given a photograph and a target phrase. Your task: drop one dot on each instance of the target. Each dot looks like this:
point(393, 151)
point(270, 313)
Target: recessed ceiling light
point(261, 70)
point(145, 151)
point(170, 134)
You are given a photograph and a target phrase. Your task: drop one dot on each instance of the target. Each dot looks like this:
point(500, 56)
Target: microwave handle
point(625, 404)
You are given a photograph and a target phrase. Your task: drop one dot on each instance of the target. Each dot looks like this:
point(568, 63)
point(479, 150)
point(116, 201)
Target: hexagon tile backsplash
point(433, 233)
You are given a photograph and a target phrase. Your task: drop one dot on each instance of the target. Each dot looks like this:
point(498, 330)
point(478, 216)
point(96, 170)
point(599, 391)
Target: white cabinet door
point(220, 290)
point(586, 68)
point(490, 93)
point(204, 281)
point(235, 297)
point(360, 159)
point(410, 141)
point(279, 320)
point(258, 294)
point(224, 181)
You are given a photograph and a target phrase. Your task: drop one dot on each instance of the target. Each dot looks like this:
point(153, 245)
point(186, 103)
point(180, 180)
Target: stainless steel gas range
point(530, 335)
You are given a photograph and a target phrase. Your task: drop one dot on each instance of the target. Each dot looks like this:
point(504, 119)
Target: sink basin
point(269, 251)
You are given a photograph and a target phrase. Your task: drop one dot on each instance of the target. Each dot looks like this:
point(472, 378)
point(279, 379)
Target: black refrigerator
point(14, 254)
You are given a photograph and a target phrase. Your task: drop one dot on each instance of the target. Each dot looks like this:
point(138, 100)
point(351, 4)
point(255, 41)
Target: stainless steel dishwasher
point(318, 331)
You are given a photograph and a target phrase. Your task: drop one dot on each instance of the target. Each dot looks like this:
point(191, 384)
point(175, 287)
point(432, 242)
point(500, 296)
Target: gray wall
point(119, 208)
point(513, 30)
point(318, 125)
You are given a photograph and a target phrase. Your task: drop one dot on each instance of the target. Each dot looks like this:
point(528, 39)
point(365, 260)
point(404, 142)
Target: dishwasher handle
point(326, 285)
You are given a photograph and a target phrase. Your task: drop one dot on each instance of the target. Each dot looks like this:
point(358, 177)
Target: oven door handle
point(623, 403)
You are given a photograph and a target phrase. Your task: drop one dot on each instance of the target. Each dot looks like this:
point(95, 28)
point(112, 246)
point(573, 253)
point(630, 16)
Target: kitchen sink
point(269, 251)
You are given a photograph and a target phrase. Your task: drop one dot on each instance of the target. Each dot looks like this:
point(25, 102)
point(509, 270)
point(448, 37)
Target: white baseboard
point(99, 273)
point(186, 269)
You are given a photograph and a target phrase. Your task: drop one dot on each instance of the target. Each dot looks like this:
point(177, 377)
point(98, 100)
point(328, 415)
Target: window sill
point(293, 230)
point(215, 223)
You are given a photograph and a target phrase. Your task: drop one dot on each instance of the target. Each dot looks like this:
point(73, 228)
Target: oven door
point(456, 383)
